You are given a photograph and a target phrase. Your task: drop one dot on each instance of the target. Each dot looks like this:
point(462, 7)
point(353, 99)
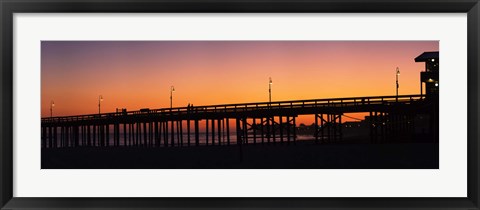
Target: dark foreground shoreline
point(303, 155)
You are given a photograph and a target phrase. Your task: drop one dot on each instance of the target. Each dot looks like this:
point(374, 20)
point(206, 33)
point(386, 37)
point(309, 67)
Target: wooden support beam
point(130, 134)
point(323, 124)
point(102, 134)
point(55, 137)
point(145, 133)
point(371, 127)
point(77, 133)
point(61, 136)
point(94, 136)
point(181, 132)
point(244, 131)
point(158, 137)
point(316, 129)
point(67, 136)
point(213, 131)
point(44, 136)
point(280, 119)
point(268, 130)
point(254, 128)
point(239, 132)
point(340, 127)
point(179, 143)
point(262, 126)
point(219, 128)
point(188, 132)
point(197, 133)
point(335, 126)
point(165, 133)
point(89, 137)
point(107, 132)
point(172, 131)
point(137, 131)
point(125, 134)
point(294, 131)
point(150, 134)
point(228, 131)
point(115, 134)
point(288, 129)
point(50, 137)
point(273, 129)
point(223, 131)
point(206, 132)
point(328, 126)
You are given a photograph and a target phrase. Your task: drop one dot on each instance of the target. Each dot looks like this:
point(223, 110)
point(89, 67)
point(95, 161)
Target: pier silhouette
point(191, 129)
point(262, 122)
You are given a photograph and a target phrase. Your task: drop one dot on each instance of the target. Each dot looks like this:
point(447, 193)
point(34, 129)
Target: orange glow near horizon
point(139, 74)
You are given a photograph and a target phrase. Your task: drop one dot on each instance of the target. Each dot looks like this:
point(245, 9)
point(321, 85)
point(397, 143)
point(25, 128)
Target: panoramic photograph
point(239, 105)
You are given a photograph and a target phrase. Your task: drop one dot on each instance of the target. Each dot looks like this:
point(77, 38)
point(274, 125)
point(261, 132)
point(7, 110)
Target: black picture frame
point(9, 7)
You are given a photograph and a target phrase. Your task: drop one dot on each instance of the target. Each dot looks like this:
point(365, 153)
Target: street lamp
point(397, 74)
point(100, 99)
point(172, 89)
point(52, 104)
point(270, 89)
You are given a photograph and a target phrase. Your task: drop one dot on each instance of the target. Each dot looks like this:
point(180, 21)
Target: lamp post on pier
point(397, 74)
point(52, 104)
point(270, 89)
point(100, 99)
point(172, 89)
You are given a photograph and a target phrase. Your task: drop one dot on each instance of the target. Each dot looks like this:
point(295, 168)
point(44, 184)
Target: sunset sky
point(138, 74)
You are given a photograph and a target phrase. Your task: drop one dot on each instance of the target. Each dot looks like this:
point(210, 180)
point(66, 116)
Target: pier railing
point(243, 107)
